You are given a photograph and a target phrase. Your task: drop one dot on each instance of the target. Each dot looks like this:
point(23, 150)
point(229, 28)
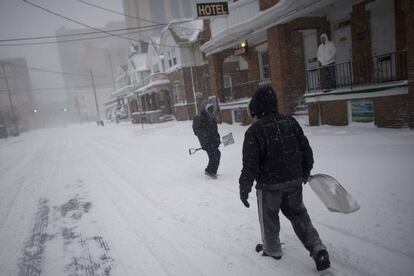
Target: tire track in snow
point(230, 260)
point(247, 259)
point(33, 253)
point(164, 248)
point(117, 147)
point(37, 158)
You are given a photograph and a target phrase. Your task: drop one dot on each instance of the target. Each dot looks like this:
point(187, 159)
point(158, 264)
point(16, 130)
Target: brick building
point(173, 74)
point(185, 66)
point(373, 61)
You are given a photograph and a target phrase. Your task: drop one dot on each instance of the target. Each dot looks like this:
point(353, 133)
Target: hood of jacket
point(325, 36)
point(263, 102)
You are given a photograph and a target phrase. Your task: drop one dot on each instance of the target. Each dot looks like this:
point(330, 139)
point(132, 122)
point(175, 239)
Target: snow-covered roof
point(187, 29)
point(184, 30)
point(139, 62)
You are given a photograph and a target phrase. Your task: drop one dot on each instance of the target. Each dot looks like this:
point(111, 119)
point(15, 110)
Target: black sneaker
point(274, 257)
point(212, 175)
point(322, 260)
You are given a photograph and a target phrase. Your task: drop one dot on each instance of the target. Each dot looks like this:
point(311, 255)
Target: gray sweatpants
point(290, 202)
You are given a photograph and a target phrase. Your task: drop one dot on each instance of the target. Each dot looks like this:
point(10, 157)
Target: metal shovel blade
point(228, 139)
point(332, 194)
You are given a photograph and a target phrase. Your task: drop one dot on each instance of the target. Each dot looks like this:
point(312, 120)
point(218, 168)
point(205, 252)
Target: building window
point(172, 59)
point(178, 92)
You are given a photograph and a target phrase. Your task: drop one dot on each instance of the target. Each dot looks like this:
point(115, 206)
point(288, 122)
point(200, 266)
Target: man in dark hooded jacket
point(277, 155)
point(205, 128)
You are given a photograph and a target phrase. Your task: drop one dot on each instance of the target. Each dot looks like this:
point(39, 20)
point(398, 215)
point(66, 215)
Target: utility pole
point(139, 102)
point(191, 48)
point(3, 66)
point(112, 70)
point(96, 99)
point(13, 113)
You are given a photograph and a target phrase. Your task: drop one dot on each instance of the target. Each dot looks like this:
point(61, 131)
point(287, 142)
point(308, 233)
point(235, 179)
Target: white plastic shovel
point(332, 194)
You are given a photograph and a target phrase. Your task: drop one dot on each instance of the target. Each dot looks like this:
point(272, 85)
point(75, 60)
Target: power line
point(64, 41)
point(46, 89)
point(94, 28)
point(83, 33)
point(51, 71)
point(134, 17)
point(119, 13)
point(78, 22)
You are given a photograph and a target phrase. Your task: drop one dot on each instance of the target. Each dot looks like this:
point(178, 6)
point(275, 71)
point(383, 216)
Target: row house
point(276, 42)
point(176, 75)
point(116, 106)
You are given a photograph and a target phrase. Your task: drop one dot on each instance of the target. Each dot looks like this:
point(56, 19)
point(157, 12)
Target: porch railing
point(375, 70)
point(244, 90)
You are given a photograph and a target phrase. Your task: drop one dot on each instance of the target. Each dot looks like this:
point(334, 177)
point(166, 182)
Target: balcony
point(151, 81)
point(377, 70)
point(244, 90)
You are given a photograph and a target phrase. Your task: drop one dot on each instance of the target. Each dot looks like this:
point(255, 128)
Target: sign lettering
point(212, 9)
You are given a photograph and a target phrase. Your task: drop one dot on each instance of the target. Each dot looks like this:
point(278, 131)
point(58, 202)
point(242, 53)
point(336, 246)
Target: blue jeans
point(329, 76)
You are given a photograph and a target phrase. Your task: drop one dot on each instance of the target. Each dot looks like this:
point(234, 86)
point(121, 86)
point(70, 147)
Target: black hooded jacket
point(205, 128)
point(275, 150)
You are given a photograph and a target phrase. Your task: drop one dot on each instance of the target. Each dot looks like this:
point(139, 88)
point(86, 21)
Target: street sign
point(212, 9)
point(239, 51)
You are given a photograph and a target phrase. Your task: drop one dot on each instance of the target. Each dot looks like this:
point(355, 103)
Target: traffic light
point(65, 109)
point(34, 110)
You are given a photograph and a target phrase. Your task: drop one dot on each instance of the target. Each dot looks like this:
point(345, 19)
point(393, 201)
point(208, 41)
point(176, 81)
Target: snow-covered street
point(122, 200)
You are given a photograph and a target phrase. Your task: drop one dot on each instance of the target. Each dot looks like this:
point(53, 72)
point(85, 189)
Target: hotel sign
point(212, 9)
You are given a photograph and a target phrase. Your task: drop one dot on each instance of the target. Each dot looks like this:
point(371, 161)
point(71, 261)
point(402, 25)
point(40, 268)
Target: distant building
point(19, 84)
point(155, 12)
point(103, 56)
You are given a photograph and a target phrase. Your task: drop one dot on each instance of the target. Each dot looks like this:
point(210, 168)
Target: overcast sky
point(19, 19)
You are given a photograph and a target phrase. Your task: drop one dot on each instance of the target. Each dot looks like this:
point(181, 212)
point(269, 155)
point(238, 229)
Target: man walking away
point(205, 128)
point(277, 155)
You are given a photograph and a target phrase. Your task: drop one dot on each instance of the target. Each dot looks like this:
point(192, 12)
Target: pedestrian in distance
point(277, 155)
point(205, 128)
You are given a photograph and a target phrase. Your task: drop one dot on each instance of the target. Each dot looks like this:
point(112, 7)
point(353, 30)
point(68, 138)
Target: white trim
point(349, 110)
point(260, 211)
point(359, 95)
point(142, 90)
point(234, 105)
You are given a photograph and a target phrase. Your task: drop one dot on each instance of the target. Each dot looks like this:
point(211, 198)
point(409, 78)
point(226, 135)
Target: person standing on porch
point(326, 57)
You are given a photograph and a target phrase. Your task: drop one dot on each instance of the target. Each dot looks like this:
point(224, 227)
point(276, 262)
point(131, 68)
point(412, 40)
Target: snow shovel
point(225, 140)
point(332, 194)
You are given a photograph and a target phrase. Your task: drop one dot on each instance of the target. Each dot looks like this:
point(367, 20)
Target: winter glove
point(244, 194)
point(243, 199)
